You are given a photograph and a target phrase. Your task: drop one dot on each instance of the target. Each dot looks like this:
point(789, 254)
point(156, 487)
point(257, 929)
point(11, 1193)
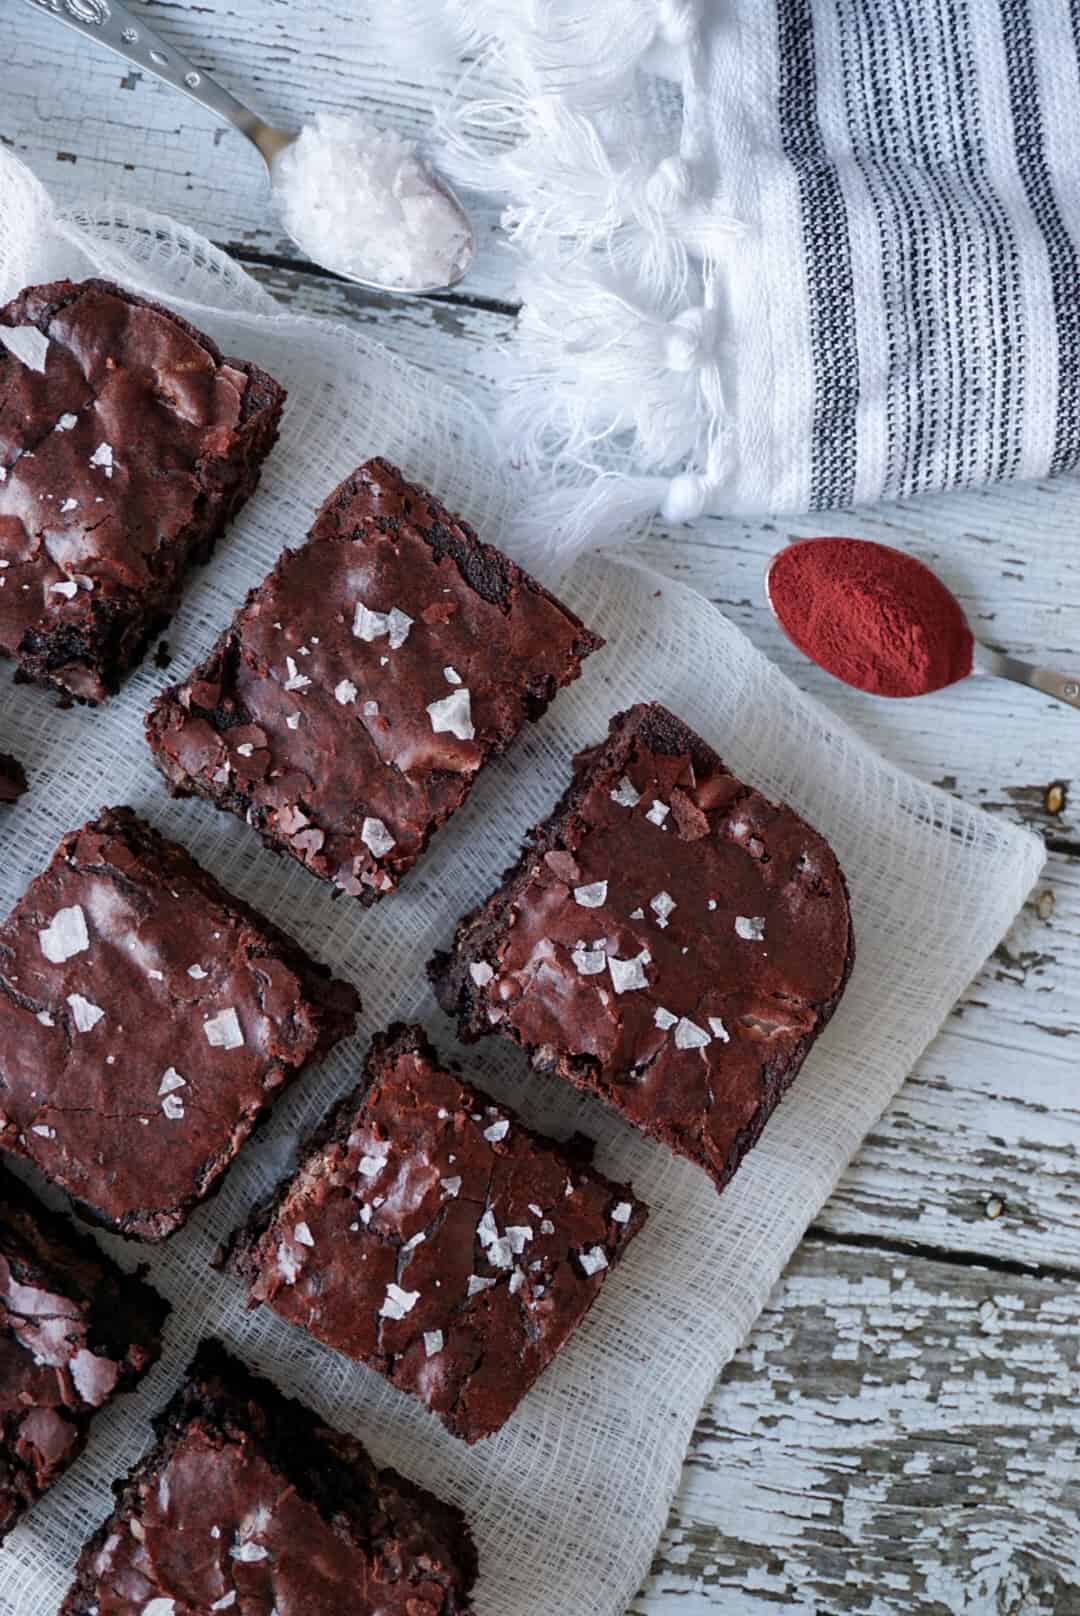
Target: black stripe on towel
point(830, 287)
point(1019, 41)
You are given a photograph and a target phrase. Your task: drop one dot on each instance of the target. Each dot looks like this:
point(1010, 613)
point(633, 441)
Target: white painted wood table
point(899, 1435)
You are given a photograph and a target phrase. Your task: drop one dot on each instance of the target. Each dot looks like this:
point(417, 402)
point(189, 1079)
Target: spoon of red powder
point(881, 621)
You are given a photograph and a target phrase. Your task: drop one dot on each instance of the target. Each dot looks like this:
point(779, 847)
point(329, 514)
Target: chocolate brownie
point(346, 711)
point(670, 941)
point(249, 1503)
point(147, 1020)
point(12, 778)
point(427, 1232)
point(121, 461)
point(74, 1331)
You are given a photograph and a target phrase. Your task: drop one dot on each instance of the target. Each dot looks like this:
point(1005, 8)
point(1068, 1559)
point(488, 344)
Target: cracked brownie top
point(147, 1019)
point(428, 1232)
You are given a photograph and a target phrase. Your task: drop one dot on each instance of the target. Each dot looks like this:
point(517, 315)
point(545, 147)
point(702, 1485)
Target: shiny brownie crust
point(120, 465)
point(74, 1331)
point(148, 1019)
point(250, 1501)
point(429, 1233)
point(346, 711)
point(670, 941)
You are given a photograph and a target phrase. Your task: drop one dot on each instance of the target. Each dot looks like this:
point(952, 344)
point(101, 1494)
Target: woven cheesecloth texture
point(568, 1501)
point(774, 255)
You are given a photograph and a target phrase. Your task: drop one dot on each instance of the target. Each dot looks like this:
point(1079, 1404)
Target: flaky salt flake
point(590, 961)
point(751, 928)
point(293, 721)
point(546, 1226)
point(622, 1212)
point(226, 1602)
point(368, 625)
point(43, 1130)
point(197, 972)
point(86, 1015)
point(69, 505)
point(365, 1215)
point(160, 1607)
point(626, 975)
point(452, 676)
point(223, 1031)
point(476, 1285)
point(594, 1261)
point(372, 1164)
point(433, 1343)
point(487, 1230)
point(371, 709)
point(303, 1235)
point(517, 1280)
point(171, 1081)
point(637, 914)
point(664, 1019)
point(295, 679)
point(69, 589)
point(593, 896)
point(46, 1020)
point(102, 458)
point(451, 1187)
point(519, 1235)
point(417, 1240)
point(398, 624)
point(537, 1211)
point(497, 1131)
point(658, 812)
point(65, 935)
point(66, 422)
point(453, 714)
point(398, 1302)
point(662, 907)
point(625, 794)
point(249, 1553)
point(481, 973)
point(374, 834)
point(173, 1107)
point(711, 903)
point(688, 1035)
point(246, 748)
point(345, 692)
point(719, 1030)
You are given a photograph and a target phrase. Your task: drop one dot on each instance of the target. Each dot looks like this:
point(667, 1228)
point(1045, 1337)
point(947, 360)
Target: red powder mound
point(871, 616)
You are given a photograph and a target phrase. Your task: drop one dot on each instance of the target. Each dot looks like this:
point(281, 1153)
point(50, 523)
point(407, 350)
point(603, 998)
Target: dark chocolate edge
point(662, 731)
point(321, 1462)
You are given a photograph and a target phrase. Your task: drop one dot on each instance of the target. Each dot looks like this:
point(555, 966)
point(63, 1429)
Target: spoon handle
point(107, 22)
point(1062, 686)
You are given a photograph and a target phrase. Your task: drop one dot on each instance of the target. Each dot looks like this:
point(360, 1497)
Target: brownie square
point(250, 1503)
point(120, 464)
point(429, 1233)
point(74, 1331)
point(346, 711)
point(147, 1021)
point(670, 941)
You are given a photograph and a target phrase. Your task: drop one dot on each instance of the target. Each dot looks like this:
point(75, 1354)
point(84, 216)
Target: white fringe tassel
point(615, 390)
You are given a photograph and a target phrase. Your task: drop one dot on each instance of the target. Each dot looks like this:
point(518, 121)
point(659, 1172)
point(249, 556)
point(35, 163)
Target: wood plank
point(89, 125)
point(898, 1438)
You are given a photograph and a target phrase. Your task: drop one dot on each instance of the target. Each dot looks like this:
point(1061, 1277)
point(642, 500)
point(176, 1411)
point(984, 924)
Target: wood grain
point(898, 1436)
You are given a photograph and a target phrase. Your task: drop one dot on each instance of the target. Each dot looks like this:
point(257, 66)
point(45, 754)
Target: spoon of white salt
point(360, 202)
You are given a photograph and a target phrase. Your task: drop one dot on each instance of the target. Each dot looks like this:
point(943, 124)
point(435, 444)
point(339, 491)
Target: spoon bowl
point(128, 34)
point(848, 560)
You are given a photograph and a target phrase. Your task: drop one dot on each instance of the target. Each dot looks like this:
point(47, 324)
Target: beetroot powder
point(871, 616)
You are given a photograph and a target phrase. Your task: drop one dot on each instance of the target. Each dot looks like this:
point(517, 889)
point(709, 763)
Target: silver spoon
point(1061, 686)
point(107, 22)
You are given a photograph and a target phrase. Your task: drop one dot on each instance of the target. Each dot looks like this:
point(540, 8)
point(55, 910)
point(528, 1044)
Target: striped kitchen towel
point(777, 255)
